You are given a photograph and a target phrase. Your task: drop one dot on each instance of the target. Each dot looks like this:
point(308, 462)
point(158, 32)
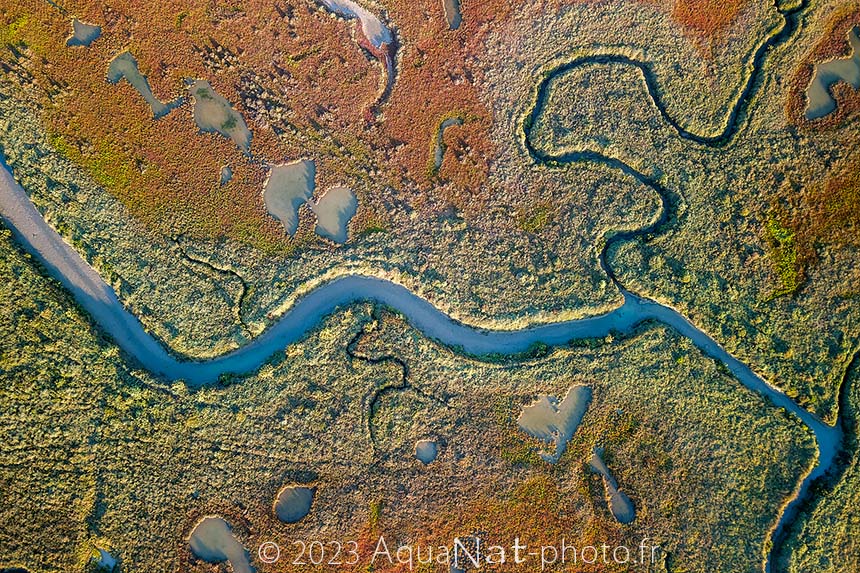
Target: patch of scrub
point(372, 27)
point(294, 503)
point(426, 451)
point(83, 34)
point(226, 175)
point(440, 147)
point(620, 505)
point(554, 422)
point(125, 66)
point(452, 13)
point(334, 210)
point(786, 261)
point(213, 113)
point(213, 542)
point(287, 188)
point(820, 100)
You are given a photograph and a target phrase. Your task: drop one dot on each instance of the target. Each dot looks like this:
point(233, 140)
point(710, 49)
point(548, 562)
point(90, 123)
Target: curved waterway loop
point(734, 121)
point(829, 438)
point(97, 297)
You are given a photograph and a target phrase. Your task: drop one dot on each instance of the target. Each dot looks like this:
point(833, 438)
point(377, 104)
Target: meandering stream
point(829, 439)
point(97, 298)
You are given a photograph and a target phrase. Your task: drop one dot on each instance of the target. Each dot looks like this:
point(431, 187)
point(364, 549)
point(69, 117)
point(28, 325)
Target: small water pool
point(620, 505)
point(820, 102)
point(334, 210)
point(372, 27)
point(294, 503)
point(439, 149)
point(83, 34)
point(125, 66)
point(213, 542)
point(213, 113)
point(452, 13)
point(555, 422)
point(426, 451)
point(288, 187)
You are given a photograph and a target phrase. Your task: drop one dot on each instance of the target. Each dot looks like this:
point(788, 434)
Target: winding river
point(100, 301)
point(830, 439)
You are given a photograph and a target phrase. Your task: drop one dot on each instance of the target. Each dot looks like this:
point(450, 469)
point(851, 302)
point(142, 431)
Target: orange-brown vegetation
point(436, 78)
point(165, 171)
point(824, 214)
point(832, 45)
point(538, 511)
point(302, 83)
point(707, 18)
point(306, 63)
point(832, 211)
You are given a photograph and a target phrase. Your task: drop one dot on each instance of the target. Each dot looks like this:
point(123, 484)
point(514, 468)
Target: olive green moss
point(784, 257)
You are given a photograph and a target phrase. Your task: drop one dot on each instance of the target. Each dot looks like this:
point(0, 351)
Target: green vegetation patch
point(536, 219)
point(784, 257)
point(54, 370)
point(11, 33)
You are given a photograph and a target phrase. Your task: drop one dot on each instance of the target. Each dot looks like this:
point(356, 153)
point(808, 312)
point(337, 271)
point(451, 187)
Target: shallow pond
point(288, 187)
point(125, 66)
point(439, 149)
point(334, 210)
point(426, 451)
point(226, 175)
point(452, 13)
point(294, 503)
point(372, 27)
point(554, 422)
point(620, 505)
point(213, 113)
point(826, 75)
point(83, 34)
point(213, 542)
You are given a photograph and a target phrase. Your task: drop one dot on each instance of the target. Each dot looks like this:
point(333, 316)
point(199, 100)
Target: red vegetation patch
point(832, 214)
point(538, 511)
point(824, 214)
point(255, 54)
point(833, 45)
point(165, 171)
point(436, 78)
point(707, 18)
point(303, 85)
